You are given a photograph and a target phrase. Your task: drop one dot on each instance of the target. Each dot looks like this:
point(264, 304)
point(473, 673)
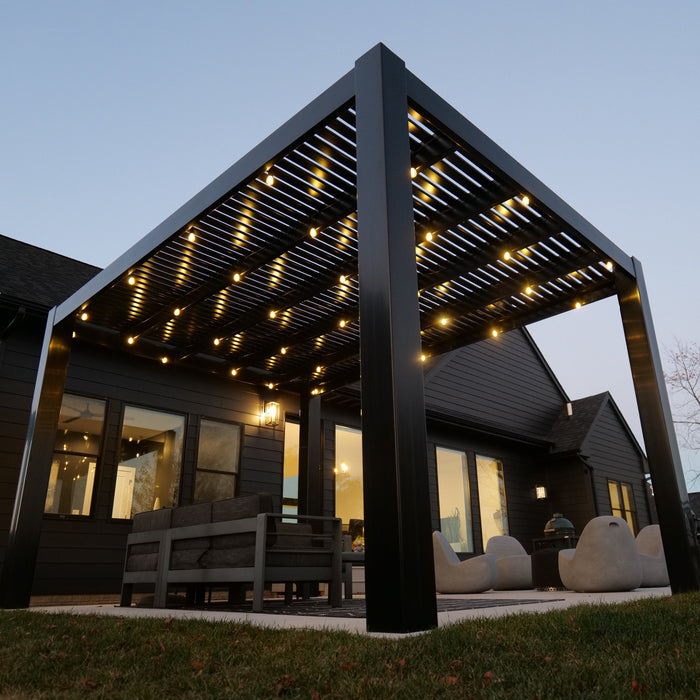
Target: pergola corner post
point(25, 525)
point(670, 493)
point(400, 579)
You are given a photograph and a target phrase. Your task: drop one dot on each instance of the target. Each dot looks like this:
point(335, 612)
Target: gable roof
point(39, 278)
point(570, 432)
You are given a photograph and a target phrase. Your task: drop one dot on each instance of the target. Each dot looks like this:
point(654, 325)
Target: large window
point(492, 498)
point(622, 503)
point(453, 492)
point(349, 501)
point(218, 455)
point(76, 451)
point(290, 469)
point(150, 461)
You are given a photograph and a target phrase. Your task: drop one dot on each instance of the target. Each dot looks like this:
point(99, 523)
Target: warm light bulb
point(164, 360)
point(234, 372)
point(237, 277)
point(273, 314)
point(269, 179)
point(343, 279)
point(132, 280)
point(84, 316)
point(609, 265)
point(342, 323)
point(131, 340)
point(423, 358)
point(283, 351)
point(177, 312)
point(217, 341)
point(414, 172)
point(577, 305)
point(506, 255)
point(429, 236)
point(528, 290)
point(313, 232)
point(270, 386)
point(494, 333)
point(191, 237)
point(526, 201)
point(443, 320)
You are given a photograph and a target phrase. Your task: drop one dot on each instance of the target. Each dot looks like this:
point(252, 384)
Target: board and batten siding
point(615, 456)
point(500, 383)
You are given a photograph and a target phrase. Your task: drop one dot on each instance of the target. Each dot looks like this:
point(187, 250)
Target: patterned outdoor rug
point(356, 607)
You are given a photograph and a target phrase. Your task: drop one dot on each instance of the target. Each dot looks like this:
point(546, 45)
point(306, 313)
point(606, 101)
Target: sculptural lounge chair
point(652, 557)
point(512, 561)
point(454, 576)
point(605, 559)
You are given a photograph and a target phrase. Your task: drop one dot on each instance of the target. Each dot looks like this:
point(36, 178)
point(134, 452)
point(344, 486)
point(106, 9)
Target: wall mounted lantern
point(271, 413)
point(540, 492)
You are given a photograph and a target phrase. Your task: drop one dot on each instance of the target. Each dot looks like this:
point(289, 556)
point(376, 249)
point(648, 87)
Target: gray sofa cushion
point(144, 557)
point(142, 562)
point(186, 554)
point(235, 509)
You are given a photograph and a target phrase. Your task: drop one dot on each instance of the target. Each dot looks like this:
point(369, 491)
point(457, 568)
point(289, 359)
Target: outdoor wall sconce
point(540, 492)
point(271, 413)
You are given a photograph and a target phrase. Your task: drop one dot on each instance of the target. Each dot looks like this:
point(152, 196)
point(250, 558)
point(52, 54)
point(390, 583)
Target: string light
point(429, 236)
point(132, 281)
point(343, 279)
point(313, 232)
point(506, 255)
point(273, 314)
point(283, 351)
point(609, 265)
point(237, 277)
point(578, 305)
point(528, 290)
point(494, 333)
point(177, 312)
point(269, 178)
point(414, 172)
point(191, 238)
point(234, 372)
point(342, 323)
point(84, 316)
point(131, 340)
point(217, 341)
point(525, 200)
point(164, 360)
point(443, 320)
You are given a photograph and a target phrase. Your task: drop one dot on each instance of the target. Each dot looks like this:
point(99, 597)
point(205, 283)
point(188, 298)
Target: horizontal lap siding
point(500, 383)
point(86, 556)
point(570, 492)
point(613, 455)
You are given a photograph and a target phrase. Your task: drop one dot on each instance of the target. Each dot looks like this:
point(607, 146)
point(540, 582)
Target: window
point(492, 498)
point(349, 500)
point(622, 503)
point(150, 461)
point(453, 493)
point(290, 469)
point(75, 455)
point(218, 455)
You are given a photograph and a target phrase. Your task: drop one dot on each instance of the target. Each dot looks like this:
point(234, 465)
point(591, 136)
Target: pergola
point(375, 229)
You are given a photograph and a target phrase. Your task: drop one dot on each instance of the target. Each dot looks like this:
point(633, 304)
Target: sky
point(113, 115)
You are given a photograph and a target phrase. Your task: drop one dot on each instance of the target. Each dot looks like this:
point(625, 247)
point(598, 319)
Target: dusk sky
point(115, 114)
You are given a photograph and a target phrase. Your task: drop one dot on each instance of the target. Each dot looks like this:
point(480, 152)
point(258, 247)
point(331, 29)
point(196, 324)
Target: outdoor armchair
point(512, 561)
point(454, 576)
point(652, 557)
point(605, 559)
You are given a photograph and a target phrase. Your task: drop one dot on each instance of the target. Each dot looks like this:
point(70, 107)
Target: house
point(136, 434)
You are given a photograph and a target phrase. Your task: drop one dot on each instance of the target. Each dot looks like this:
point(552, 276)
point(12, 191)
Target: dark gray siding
point(500, 383)
point(570, 491)
point(613, 455)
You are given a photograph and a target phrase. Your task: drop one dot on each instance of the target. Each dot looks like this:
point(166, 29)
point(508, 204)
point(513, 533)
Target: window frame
point(623, 511)
point(466, 493)
point(196, 470)
point(503, 496)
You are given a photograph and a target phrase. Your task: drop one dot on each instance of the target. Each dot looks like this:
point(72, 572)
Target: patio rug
point(356, 607)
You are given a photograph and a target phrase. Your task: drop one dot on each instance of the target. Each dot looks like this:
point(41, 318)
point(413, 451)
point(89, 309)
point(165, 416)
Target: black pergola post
point(310, 454)
point(400, 579)
point(672, 504)
point(25, 525)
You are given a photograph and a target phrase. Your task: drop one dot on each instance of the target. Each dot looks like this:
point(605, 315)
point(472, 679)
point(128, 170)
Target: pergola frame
point(376, 227)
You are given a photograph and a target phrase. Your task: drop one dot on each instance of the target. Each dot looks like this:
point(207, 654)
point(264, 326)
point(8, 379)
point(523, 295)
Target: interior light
point(506, 255)
point(526, 201)
point(344, 467)
point(313, 232)
point(494, 333)
point(414, 172)
point(132, 280)
point(237, 277)
point(273, 314)
point(131, 340)
point(84, 316)
point(177, 312)
point(269, 178)
point(217, 341)
point(314, 392)
point(164, 360)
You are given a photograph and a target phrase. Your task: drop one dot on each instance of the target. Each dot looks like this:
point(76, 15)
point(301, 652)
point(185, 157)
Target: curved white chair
point(605, 559)
point(653, 559)
point(512, 561)
point(454, 576)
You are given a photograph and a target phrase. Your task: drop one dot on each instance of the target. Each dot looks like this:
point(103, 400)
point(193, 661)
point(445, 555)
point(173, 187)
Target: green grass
point(648, 648)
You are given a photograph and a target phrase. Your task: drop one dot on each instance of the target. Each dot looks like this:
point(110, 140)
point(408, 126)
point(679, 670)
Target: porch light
point(423, 358)
point(318, 368)
point(540, 492)
point(270, 386)
point(271, 413)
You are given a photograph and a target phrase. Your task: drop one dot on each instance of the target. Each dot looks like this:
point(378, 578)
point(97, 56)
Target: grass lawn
point(648, 648)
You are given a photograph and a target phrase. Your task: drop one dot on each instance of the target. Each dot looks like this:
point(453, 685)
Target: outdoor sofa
point(231, 542)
